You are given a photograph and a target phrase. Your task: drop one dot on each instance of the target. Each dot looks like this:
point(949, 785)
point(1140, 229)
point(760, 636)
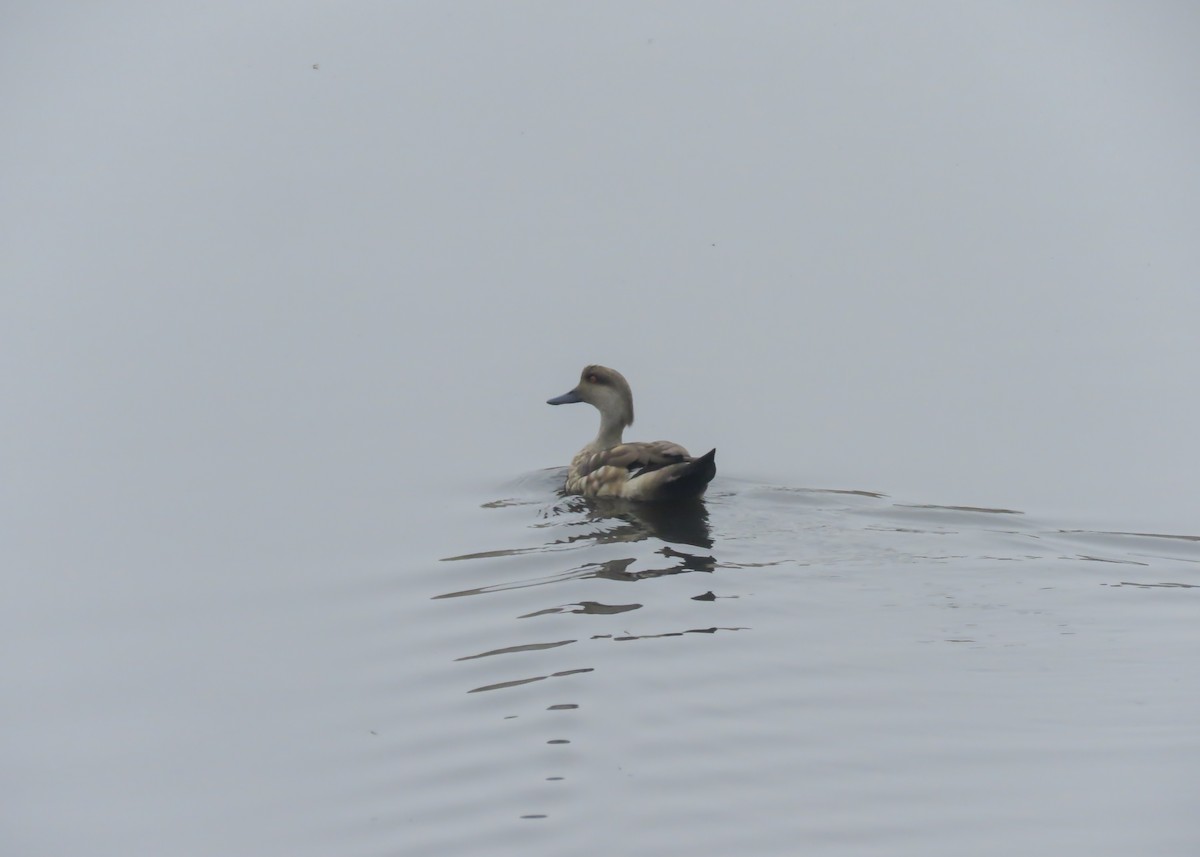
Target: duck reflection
point(568, 548)
point(611, 569)
point(678, 562)
point(584, 522)
point(683, 522)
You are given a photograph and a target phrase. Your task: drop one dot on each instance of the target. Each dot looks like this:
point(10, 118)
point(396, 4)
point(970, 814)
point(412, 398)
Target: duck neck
point(611, 429)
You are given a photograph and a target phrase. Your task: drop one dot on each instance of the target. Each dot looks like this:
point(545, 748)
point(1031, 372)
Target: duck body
point(609, 467)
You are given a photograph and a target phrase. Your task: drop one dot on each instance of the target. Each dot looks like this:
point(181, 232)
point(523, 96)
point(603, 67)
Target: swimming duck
point(608, 467)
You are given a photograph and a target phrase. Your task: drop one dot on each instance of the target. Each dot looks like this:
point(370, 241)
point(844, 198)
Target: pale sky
point(945, 251)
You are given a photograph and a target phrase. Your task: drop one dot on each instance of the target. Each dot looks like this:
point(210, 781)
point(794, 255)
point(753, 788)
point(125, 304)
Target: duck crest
point(609, 467)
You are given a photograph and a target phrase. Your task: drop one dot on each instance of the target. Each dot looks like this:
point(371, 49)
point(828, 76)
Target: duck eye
point(592, 379)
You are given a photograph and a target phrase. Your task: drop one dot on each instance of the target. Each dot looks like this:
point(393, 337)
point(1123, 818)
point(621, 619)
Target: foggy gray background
point(946, 251)
point(285, 285)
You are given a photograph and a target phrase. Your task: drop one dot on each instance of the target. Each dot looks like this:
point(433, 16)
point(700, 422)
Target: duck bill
point(565, 399)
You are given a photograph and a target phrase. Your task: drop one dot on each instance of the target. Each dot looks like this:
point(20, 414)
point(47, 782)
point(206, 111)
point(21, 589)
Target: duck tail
point(690, 478)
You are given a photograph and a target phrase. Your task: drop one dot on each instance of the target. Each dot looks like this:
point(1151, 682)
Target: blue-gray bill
point(565, 399)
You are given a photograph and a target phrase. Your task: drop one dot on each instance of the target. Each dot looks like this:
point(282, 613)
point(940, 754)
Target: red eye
point(591, 379)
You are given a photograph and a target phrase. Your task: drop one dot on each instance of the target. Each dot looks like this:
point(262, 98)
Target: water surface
point(773, 670)
point(779, 669)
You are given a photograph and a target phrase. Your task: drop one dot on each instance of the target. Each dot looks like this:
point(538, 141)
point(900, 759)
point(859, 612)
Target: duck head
point(608, 392)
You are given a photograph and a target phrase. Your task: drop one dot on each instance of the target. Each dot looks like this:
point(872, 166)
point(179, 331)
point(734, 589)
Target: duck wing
point(636, 458)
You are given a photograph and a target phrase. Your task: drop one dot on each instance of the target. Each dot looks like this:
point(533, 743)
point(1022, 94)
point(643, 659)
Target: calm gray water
point(771, 671)
point(785, 669)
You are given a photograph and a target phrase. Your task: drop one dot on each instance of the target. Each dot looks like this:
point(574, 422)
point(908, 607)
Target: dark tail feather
point(690, 480)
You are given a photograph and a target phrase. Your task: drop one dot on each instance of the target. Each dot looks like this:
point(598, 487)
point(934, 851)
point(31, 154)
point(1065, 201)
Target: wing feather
point(642, 457)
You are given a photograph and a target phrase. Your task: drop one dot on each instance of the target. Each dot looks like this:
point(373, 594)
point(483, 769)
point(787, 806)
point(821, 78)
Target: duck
point(608, 467)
